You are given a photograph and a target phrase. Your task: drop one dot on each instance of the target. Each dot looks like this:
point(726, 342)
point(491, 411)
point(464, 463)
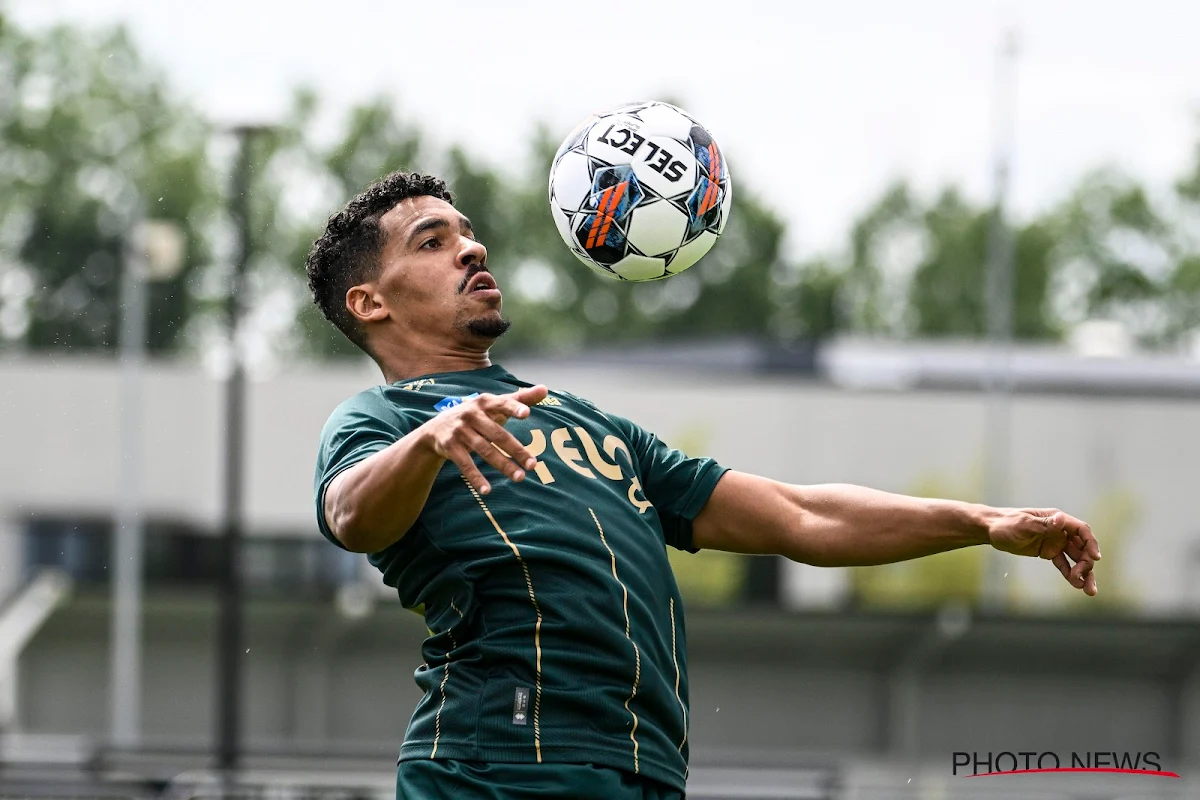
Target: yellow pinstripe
point(537, 630)
point(637, 654)
point(675, 659)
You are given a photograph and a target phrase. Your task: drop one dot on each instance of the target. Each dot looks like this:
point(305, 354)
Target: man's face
point(434, 276)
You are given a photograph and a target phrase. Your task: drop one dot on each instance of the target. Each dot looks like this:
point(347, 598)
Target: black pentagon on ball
point(613, 248)
point(704, 207)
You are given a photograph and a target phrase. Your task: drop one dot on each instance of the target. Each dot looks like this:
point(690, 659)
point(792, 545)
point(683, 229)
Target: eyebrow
point(438, 223)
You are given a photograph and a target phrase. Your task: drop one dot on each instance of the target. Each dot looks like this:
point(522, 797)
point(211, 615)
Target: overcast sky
point(816, 104)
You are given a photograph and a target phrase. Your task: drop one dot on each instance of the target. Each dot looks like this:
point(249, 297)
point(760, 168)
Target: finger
point(466, 465)
point(500, 408)
point(1089, 587)
point(1077, 527)
point(1051, 547)
point(1064, 567)
point(1081, 570)
point(507, 444)
point(1074, 550)
point(491, 455)
point(531, 395)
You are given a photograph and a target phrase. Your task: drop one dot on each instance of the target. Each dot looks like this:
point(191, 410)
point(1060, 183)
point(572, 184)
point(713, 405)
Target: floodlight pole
point(125, 680)
point(231, 631)
point(998, 301)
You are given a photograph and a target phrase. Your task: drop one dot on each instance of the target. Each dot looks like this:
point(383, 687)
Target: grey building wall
point(58, 422)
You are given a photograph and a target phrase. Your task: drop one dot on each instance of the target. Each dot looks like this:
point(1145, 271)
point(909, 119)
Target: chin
point(491, 326)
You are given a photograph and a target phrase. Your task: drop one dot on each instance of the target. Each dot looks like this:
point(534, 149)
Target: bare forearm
point(833, 524)
point(372, 504)
point(844, 525)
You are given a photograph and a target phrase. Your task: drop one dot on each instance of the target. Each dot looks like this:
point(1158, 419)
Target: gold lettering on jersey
point(564, 445)
point(568, 453)
point(610, 471)
point(612, 444)
point(537, 446)
point(549, 401)
point(417, 386)
point(635, 488)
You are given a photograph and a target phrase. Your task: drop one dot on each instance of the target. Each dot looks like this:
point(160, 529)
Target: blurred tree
point(89, 139)
point(885, 242)
point(1114, 256)
point(947, 293)
point(1183, 286)
point(373, 141)
point(809, 301)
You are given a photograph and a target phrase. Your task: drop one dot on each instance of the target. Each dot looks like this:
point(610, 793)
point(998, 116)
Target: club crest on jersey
point(451, 402)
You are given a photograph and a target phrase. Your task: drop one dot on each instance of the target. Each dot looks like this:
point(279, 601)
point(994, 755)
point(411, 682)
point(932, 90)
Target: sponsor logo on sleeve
point(451, 402)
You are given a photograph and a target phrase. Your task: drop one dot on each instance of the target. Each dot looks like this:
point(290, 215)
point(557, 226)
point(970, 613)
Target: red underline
point(1078, 769)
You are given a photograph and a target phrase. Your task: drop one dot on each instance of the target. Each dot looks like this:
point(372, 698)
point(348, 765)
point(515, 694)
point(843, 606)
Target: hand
point(476, 427)
point(1050, 534)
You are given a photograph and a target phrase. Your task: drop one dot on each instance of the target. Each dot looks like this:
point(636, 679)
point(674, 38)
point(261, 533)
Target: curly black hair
point(347, 253)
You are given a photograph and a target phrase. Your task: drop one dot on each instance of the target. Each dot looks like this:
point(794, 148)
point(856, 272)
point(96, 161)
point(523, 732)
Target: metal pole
point(999, 305)
point(126, 578)
point(230, 643)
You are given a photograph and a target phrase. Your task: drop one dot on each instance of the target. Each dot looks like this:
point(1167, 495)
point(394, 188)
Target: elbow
point(347, 525)
point(359, 533)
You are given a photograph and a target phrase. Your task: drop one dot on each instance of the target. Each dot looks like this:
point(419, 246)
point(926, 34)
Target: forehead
point(412, 211)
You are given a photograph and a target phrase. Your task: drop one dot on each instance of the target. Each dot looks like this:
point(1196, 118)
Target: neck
point(399, 362)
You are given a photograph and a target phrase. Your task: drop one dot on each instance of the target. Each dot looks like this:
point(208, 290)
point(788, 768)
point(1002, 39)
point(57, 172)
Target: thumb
point(531, 395)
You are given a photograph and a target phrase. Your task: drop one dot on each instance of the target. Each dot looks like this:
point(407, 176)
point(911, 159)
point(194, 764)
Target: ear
point(366, 304)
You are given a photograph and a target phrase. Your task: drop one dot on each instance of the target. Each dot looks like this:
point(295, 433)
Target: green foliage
point(91, 136)
point(947, 295)
point(947, 291)
point(1112, 255)
point(89, 139)
point(869, 304)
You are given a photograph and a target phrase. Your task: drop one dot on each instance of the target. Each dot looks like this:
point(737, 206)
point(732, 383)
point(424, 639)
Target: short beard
point(489, 327)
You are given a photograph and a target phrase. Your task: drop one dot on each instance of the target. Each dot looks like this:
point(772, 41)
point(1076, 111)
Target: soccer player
point(529, 526)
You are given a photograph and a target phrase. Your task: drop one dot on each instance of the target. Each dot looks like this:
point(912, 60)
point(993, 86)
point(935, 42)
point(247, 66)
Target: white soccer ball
point(640, 193)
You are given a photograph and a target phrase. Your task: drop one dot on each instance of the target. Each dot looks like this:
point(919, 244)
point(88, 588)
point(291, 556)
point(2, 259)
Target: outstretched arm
point(836, 525)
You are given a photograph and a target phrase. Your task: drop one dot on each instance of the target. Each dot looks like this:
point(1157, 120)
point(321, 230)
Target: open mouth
point(481, 281)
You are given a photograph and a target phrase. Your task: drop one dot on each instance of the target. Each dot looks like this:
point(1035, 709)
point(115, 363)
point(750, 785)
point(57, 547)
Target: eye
point(431, 244)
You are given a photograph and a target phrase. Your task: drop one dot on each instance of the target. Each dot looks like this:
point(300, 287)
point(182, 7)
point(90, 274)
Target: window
point(180, 555)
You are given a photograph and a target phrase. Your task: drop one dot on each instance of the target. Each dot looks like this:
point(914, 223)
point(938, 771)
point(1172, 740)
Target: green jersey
point(556, 626)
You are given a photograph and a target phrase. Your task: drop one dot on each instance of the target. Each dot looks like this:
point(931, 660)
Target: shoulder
point(569, 397)
point(370, 405)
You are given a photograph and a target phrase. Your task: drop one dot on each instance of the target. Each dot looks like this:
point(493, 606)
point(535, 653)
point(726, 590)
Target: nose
point(472, 253)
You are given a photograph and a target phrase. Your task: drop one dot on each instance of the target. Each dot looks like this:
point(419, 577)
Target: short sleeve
point(358, 428)
point(675, 483)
